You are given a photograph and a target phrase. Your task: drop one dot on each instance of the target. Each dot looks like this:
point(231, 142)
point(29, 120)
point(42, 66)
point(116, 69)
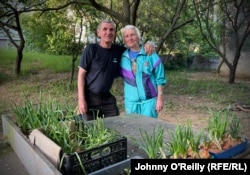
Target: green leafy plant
point(193, 141)
point(78, 159)
point(184, 143)
point(70, 132)
point(58, 123)
point(42, 114)
point(217, 124)
point(223, 130)
point(95, 133)
point(235, 127)
point(79, 134)
point(178, 144)
point(152, 144)
point(127, 171)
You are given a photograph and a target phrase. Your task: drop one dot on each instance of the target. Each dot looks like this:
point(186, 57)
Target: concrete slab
point(33, 160)
point(129, 126)
point(10, 164)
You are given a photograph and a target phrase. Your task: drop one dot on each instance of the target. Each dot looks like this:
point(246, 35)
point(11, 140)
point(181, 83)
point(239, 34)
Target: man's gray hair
point(105, 21)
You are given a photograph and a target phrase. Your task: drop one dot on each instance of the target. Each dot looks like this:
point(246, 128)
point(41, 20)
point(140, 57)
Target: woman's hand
point(159, 104)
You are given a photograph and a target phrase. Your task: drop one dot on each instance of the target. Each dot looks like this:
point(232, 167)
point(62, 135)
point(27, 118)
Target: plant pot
point(94, 159)
point(229, 153)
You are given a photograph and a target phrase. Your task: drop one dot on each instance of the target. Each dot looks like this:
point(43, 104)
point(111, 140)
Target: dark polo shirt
point(102, 66)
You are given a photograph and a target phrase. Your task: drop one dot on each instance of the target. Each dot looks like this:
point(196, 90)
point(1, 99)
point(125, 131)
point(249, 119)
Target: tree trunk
point(72, 69)
point(19, 61)
point(219, 66)
point(231, 78)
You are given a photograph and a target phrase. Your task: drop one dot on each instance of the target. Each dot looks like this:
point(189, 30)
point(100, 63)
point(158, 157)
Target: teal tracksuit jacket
point(140, 89)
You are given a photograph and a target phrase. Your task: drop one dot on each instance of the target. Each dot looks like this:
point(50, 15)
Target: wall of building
point(243, 67)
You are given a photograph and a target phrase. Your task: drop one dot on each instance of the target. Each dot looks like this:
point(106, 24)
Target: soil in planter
point(226, 144)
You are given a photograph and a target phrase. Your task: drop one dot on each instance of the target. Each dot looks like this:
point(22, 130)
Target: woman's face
point(130, 38)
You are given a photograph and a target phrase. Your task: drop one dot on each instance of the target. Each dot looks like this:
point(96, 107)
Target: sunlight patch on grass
point(32, 62)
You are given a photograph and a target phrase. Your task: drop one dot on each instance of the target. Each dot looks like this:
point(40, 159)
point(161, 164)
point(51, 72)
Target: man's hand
point(149, 48)
point(82, 107)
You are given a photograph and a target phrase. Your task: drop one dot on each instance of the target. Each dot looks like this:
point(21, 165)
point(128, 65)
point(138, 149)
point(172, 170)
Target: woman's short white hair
point(138, 33)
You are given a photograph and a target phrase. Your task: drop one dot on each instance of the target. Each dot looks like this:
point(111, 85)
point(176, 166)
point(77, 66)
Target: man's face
point(106, 32)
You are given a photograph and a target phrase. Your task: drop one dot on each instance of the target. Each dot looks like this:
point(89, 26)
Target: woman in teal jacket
point(143, 76)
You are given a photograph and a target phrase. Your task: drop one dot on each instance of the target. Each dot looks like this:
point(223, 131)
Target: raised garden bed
point(39, 148)
point(31, 157)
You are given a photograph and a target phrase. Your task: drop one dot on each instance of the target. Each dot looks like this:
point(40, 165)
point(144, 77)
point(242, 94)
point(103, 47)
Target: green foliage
point(55, 35)
point(184, 142)
point(175, 62)
point(186, 39)
point(35, 41)
point(217, 124)
point(7, 57)
point(210, 27)
point(32, 115)
point(216, 90)
point(222, 125)
point(58, 122)
point(34, 61)
point(179, 141)
point(153, 143)
point(223, 122)
point(96, 134)
point(57, 63)
point(235, 128)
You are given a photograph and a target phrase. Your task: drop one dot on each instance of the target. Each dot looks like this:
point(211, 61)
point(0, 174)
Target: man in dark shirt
point(99, 66)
